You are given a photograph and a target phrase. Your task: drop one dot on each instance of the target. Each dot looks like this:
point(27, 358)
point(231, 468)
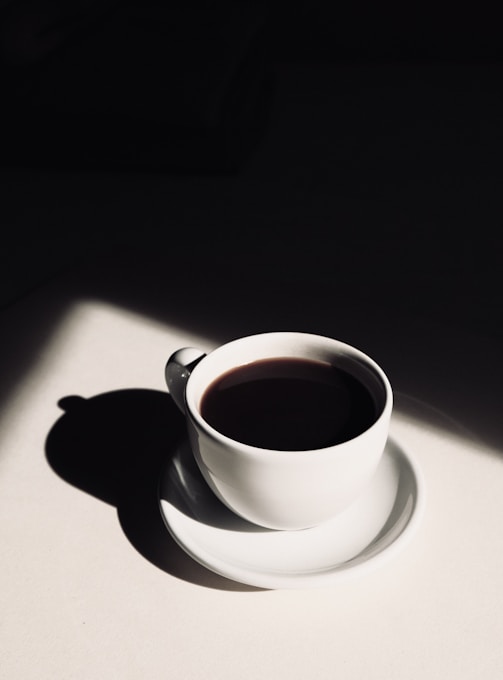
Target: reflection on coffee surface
point(289, 404)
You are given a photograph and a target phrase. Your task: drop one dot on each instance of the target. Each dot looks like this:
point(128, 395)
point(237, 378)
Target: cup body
point(287, 490)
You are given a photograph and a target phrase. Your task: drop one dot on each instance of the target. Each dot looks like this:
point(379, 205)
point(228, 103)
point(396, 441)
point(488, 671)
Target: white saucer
point(372, 529)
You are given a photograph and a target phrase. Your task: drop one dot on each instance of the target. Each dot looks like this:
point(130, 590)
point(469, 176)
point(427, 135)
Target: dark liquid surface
point(289, 405)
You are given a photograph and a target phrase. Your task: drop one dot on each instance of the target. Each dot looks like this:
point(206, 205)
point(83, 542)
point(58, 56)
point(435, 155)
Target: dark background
point(237, 167)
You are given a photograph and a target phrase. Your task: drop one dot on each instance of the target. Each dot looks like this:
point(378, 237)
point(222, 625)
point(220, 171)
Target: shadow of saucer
point(114, 446)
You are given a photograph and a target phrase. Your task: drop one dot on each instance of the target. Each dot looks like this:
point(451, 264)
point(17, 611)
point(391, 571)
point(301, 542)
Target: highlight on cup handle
point(177, 371)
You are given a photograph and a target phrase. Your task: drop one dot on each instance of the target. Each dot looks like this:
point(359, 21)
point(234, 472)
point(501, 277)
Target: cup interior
point(286, 345)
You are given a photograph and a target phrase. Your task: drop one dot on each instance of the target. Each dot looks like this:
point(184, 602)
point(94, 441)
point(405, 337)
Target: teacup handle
point(178, 369)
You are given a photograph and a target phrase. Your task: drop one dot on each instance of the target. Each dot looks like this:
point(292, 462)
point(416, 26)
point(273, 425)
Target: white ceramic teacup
point(280, 489)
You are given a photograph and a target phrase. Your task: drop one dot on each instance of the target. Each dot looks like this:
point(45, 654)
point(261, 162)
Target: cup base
point(371, 530)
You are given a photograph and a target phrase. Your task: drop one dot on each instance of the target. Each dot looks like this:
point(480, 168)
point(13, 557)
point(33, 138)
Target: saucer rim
point(274, 579)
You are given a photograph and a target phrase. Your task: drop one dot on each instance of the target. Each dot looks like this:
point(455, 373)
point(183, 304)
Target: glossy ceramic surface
point(285, 490)
point(370, 531)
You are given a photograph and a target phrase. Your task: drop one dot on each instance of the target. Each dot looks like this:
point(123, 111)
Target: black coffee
point(289, 405)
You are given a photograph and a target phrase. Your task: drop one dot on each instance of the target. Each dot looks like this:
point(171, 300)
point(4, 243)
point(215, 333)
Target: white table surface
point(378, 224)
point(92, 586)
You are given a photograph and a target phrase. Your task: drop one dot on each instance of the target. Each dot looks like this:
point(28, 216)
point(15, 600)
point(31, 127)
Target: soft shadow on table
point(114, 446)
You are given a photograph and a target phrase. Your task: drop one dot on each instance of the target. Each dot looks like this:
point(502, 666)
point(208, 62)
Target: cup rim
point(192, 400)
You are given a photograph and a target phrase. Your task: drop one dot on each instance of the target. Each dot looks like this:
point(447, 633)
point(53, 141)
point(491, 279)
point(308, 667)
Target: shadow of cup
point(114, 446)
